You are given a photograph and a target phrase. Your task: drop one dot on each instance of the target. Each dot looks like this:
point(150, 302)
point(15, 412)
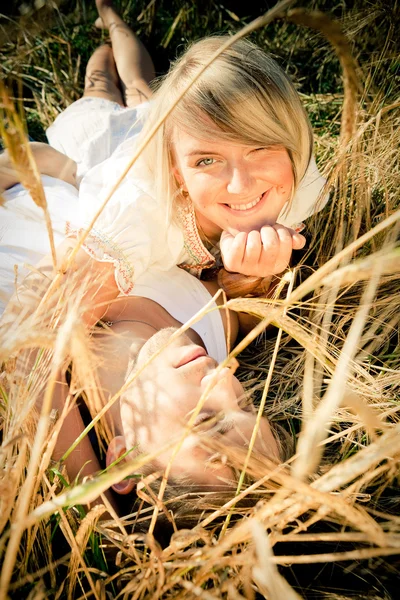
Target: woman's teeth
point(245, 206)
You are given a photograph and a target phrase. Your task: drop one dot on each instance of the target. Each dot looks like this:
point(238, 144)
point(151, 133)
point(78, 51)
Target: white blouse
point(23, 235)
point(132, 230)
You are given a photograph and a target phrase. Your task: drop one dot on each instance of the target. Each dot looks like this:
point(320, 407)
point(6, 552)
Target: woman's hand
point(260, 253)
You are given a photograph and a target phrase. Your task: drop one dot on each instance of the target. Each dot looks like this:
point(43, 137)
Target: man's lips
point(248, 211)
point(190, 355)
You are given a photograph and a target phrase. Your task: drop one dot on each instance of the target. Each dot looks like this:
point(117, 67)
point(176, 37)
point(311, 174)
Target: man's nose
point(221, 384)
point(240, 180)
point(226, 373)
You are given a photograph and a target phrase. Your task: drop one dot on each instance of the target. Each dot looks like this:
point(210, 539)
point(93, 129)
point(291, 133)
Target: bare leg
point(101, 78)
point(133, 62)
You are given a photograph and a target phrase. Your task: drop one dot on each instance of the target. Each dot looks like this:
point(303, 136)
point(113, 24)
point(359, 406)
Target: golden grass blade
point(81, 538)
point(15, 140)
point(197, 591)
point(171, 30)
point(9, 487)
point(65, 527)
point(342, 536)
point(261, 409)
point(281, 511)
point(31, 578)
point(386, 448)
point(317, 277)
point(272, 315)
point(42, 429)
point(332, 31)
point(361, 554)
point(367, 194)
point(367, 415)
point(265, 574)
point(314, 431)
point(362, 269)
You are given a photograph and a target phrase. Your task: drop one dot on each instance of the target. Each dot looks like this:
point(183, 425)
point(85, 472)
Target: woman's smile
point(248, 206)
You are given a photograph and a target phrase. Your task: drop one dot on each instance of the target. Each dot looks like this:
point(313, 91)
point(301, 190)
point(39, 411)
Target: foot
point(107, 12)
point(99, 23)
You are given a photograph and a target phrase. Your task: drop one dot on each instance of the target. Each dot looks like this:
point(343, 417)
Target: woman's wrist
point(237, 285)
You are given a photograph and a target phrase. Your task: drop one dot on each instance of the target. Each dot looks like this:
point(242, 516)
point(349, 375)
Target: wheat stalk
point(195, 565)
point(15, 139)
point(332, 30)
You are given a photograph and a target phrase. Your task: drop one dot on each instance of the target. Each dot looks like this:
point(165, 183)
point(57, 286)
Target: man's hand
point(260, 253)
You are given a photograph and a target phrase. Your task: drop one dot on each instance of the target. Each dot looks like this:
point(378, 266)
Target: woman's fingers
point(232, 250)
point(270, 250)
point(260, 253)
point(298, 240)
point(251, 258)
point(285, 248)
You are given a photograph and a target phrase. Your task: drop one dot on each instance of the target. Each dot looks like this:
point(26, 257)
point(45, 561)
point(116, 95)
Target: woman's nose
point(240, 180)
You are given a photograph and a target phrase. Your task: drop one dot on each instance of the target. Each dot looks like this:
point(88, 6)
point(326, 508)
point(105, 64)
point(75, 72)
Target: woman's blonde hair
point(244, 93)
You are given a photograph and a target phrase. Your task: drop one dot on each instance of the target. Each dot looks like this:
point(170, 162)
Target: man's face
point(159, 404)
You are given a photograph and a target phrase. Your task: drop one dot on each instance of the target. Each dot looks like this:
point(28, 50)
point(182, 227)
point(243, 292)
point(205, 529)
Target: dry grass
point(14, 136)
point(330, 376)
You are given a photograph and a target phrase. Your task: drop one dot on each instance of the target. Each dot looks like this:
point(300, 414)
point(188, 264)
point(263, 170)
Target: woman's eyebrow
point(200, 153)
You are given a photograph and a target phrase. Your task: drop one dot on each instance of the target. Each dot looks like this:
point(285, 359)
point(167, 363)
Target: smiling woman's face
point(157, 407)
point(233, 187)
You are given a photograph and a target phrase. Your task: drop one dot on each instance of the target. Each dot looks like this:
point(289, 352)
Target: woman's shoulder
point(121, 174)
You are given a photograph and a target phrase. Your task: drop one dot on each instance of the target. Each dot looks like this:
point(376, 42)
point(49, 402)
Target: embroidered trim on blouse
point(124, 271)
point(200, 257)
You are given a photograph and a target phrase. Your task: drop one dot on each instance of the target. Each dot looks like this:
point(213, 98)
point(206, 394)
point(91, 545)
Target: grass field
point(326, 525)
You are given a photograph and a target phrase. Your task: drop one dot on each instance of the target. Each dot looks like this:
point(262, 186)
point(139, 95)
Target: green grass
point(51, 64)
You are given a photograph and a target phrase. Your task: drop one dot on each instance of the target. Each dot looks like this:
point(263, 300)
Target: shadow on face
point(157, 407)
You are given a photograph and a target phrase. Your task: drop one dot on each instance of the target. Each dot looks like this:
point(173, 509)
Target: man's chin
point(155, 343)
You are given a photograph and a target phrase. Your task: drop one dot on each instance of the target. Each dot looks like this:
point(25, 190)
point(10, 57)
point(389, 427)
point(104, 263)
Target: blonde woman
point(226, 181)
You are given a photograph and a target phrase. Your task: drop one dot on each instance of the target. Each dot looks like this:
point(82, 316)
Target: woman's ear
point(116, 449)
point(178, 176)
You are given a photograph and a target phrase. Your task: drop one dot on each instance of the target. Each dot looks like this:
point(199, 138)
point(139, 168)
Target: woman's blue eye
point(205, 161)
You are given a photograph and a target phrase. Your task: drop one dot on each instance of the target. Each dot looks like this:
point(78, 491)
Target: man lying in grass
point(157, 406)
point(199, 446)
